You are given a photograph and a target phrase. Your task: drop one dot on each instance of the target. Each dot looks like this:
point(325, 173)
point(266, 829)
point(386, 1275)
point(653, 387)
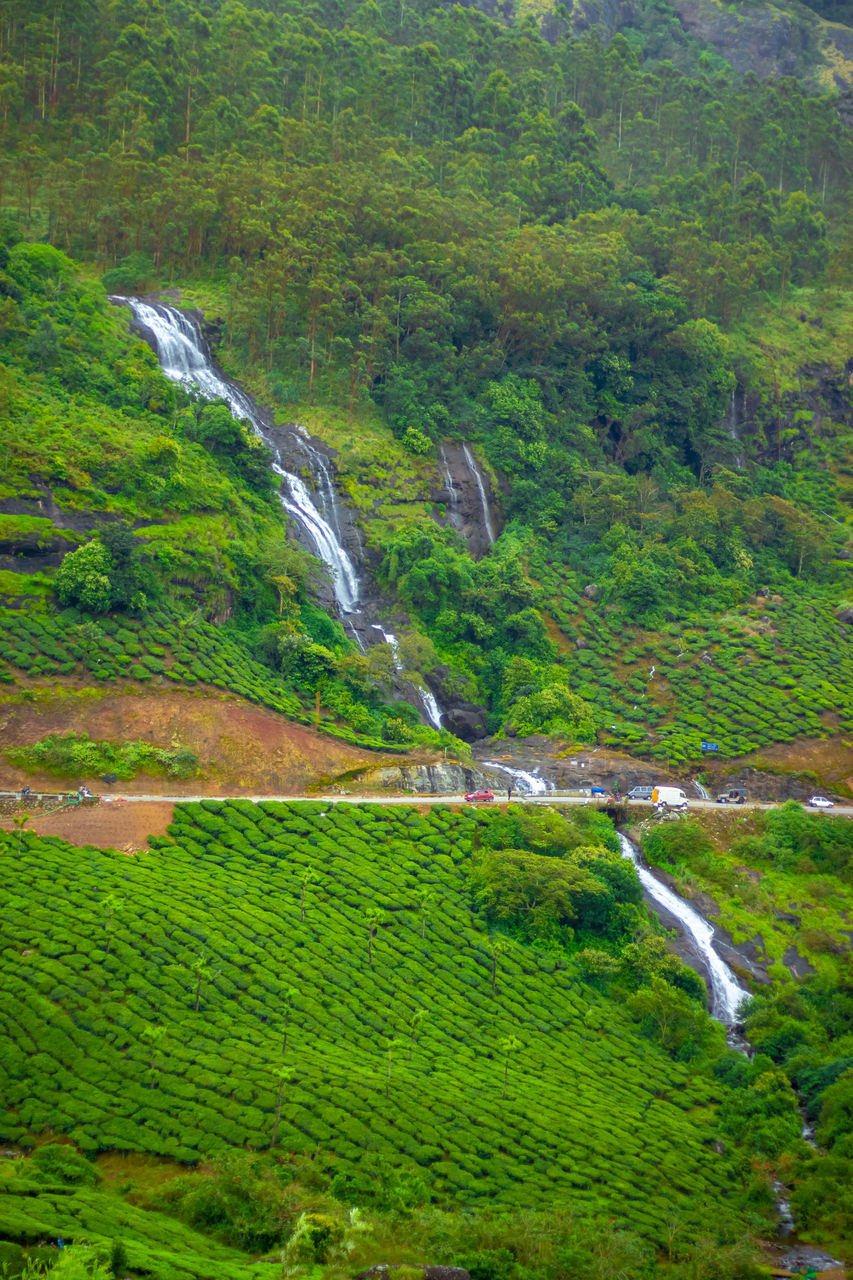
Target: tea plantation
point(35, 1206)
point(146, 1001)
point(766, 671)
point(162, 646)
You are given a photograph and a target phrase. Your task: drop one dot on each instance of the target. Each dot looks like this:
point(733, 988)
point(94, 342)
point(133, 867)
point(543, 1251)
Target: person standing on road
point(509, 793)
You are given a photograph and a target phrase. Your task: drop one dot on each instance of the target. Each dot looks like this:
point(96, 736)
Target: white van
point(669, 798)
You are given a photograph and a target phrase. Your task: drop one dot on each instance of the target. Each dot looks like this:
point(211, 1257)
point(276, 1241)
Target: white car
point(820, 802)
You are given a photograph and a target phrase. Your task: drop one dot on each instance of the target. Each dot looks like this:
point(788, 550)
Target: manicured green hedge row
point(764, 674)
point(159, 646)
point(103, 950)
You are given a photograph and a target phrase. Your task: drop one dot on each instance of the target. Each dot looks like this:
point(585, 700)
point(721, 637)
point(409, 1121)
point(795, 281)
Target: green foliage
point(68, 755)
point(542, 896)
point(60, 1163)
point(83, 578)
point(227, 879)
point(561, 250)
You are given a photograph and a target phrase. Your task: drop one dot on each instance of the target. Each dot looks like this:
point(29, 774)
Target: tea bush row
point(152, 1244)
point(744, 688)
point(161, 646)
point(592, 1107)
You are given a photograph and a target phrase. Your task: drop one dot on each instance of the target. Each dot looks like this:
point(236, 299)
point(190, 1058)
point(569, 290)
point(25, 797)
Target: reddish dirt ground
point(241, 748)
point(830, 759)
point(125, 827)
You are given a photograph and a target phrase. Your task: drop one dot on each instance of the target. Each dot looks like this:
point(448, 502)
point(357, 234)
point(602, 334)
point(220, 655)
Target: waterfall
point(527, 783)
point(428, 702)
point(475, 471)
point(325, 487)
point(447, 474)
point(726, 995)
point(733, 431)
point(181, 351)
point(180, 348)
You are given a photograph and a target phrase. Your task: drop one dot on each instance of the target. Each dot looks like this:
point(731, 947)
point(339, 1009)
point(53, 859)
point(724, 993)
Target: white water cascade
point(181, 352)
point(475, 471)
point(447, 474)
point(726, 995)
point(529, 784)
point(428, 702)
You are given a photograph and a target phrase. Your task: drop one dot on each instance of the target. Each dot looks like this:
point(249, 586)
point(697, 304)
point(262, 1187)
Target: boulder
point(465, 721)
point(846, 616)
point(591, 590)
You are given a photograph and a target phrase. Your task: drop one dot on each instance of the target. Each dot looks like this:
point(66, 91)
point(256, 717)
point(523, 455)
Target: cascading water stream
point(475, 471)
point(447, 474)
point(180, 348)
point(526, 783)
point(726, 994)
point(428, 702)
point(726, 999)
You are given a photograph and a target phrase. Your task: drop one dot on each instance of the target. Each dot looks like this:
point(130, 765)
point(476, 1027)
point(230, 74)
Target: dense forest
point(616, 266)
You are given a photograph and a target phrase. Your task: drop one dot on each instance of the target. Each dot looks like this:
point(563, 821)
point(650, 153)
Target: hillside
point(417, 1048)
point(415, 383)
point(568, 321)
point(320, 982)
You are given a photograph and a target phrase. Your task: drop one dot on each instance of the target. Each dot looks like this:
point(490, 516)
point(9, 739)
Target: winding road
point(552, 797)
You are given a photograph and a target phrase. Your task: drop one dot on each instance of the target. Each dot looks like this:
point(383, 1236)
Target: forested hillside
point(538, 322)
point(616, 268)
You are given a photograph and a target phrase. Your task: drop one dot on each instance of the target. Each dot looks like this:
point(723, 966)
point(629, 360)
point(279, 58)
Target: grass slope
point(153, 1244)
point(594, 1112)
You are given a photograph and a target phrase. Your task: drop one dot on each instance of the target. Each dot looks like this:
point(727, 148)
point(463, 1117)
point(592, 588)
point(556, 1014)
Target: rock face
point(468, 497)
point(465, 721)
point(426, 779)
point(762, 39)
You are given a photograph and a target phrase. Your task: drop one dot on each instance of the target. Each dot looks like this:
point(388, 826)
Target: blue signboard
point(710, 746)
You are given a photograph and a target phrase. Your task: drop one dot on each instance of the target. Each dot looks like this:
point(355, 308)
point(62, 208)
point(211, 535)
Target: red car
point(480, 795)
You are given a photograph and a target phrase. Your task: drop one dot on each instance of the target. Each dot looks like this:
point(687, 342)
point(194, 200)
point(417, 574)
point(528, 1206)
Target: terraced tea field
point(146, 999)
point(191, 654)
point(767, 671)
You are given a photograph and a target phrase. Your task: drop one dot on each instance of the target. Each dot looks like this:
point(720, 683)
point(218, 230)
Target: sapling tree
point(499, 946)
point(509, 1046)
point(20, 820)
point(426, 900)
point(374, 918)
point(305, 877)
point(109, 906)
point(283, 1075)
point(418, 1017)
point(393, 1044)
point(88, 635)
point(156, 1035)
point(203, 973)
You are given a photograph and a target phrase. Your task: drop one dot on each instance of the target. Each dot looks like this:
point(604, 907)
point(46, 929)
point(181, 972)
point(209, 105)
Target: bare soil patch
point(109, 825)
point(828, 760)
point(242, 748)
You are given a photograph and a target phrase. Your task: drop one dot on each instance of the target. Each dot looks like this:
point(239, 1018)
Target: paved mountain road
point(549, 798)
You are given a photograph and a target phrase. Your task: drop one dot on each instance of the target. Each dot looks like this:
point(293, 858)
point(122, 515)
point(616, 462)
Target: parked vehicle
point(821, 802)
point(669, 798)
point(599, 791)
point(474, 796)
point(640, 793)
point(734, 795)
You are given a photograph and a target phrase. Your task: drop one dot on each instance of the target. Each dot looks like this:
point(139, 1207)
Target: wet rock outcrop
point(425, 779)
